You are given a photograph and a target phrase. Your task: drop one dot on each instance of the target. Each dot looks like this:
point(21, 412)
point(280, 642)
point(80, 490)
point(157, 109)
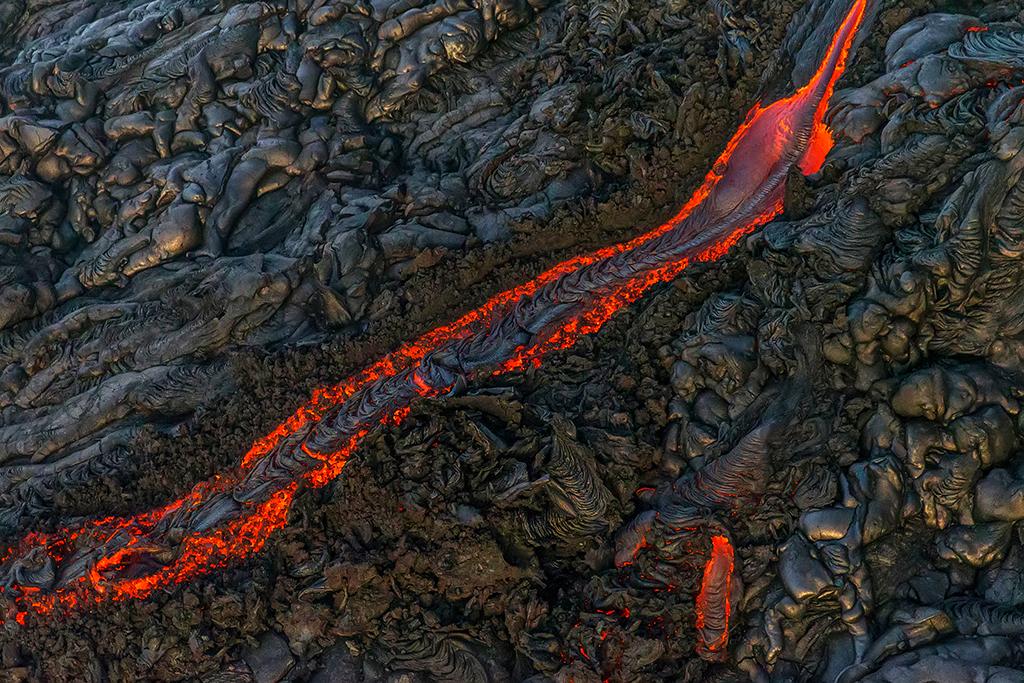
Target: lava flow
point(713, 605)
point(232, 515)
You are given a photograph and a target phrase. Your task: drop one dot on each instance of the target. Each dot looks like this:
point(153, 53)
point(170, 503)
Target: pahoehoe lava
point(778, 438)
point(232, 515)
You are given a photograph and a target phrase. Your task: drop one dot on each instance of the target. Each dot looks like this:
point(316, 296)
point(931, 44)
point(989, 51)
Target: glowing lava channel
point(231, 516)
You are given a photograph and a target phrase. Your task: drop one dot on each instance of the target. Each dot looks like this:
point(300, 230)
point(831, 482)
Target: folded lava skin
point(837, 390)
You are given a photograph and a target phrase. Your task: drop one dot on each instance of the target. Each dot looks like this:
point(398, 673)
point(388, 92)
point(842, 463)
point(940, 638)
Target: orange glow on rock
point(742, 191)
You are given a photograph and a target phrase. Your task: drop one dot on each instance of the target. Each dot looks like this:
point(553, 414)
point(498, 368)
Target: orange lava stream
point(713, 600)
point(199, 552)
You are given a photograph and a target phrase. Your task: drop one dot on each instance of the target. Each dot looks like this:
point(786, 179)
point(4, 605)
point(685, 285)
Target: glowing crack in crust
point(231, 516)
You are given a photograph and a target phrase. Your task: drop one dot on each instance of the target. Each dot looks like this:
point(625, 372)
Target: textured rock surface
point(839, 398)
point(180, 180)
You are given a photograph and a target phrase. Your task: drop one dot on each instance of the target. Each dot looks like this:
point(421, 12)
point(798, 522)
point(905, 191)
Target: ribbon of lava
point(231, 515)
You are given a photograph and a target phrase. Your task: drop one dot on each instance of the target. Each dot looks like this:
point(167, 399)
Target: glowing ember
point(231, 516)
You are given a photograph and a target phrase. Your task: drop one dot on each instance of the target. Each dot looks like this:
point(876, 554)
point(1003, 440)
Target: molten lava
point(713, 606)
point(232, 515)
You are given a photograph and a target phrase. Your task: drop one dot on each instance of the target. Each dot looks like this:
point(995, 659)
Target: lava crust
point(777, 437)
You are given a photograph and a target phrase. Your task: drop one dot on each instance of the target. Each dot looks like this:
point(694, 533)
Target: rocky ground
point(345, 241)
point(880, 311)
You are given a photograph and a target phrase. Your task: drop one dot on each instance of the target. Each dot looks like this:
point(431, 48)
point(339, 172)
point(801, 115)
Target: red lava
point(140, 554)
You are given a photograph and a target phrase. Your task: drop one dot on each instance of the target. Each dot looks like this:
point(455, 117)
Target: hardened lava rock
point(184, 178)
point(801, 464)
point(180, 180)
point(925, 337)
point(230, 516)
